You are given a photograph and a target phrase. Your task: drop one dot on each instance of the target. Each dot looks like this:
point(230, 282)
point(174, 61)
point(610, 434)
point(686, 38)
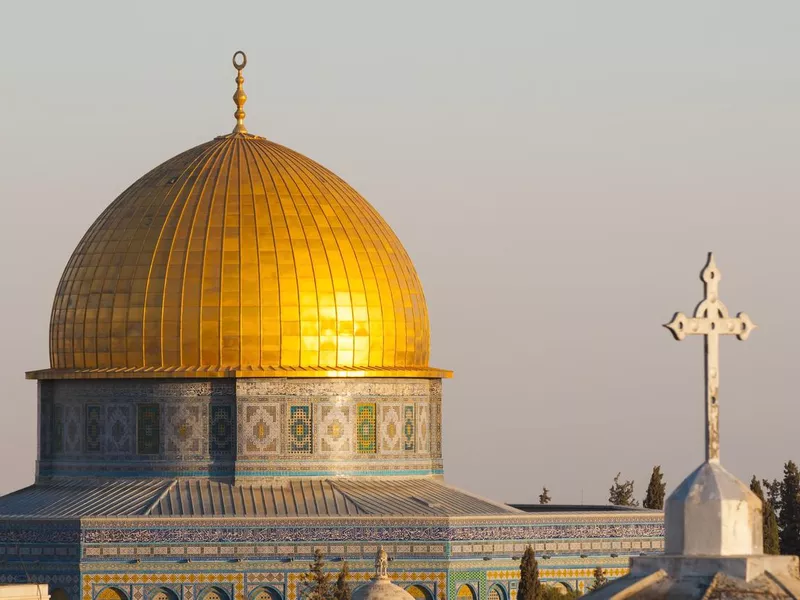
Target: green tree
point(544, 497)
point(341, 589)
point(656, 490)
point(769, 518)
point(530, 588)
point(789, 519)
point(550, 592)
point(773, 493)
point(318, 581)
point(599, 579)
point(621, 494)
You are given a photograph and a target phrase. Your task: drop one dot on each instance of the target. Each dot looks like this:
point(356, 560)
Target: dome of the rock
point(243, 256)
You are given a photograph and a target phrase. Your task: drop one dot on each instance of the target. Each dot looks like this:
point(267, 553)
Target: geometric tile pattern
point(45, 429)
point(436, 427)
point(73, 432)
point(148, 429)
point(250, 420)
point(390, 428)
point(300, 428)
point(57, 445)
point(424, 428)
point(94, 424)
point(184, 429)
point(408, 427)
point(335, 427)
point(222, 430)
point(365, 428)
point(467, 585)
point(119, 429)
point(259, 427)
point(227, 584)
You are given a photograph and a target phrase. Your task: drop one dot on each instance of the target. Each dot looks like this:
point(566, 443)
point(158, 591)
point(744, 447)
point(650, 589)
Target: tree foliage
point(341, 589)
point(318, 580)
point(773, 493)
point(789, 518)
point(544, 497)
point(621, 494)
point(656, 490)
point(530, 588)
point(599, 579)
point(769, 518)
point(550, 592)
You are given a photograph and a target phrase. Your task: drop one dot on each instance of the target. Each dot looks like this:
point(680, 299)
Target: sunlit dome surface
point(239, 256)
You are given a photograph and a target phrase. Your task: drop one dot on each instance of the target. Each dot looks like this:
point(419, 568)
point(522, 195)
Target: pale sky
point(557, 172)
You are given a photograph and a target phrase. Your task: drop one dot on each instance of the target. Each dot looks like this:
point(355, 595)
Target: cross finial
point(711, 320)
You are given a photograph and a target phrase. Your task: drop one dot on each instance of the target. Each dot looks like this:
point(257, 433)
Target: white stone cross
point(711, 320)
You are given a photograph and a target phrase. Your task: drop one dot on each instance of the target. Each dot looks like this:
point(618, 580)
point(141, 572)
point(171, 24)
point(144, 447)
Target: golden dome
point(239, 257)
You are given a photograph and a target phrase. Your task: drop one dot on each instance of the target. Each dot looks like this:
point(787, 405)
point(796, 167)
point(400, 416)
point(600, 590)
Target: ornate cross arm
point(681, 326)
point(711, 320)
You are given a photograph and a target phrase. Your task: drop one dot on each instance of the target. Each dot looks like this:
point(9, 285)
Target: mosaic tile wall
point(186, 557)
point(429, 580)
point(247, 428)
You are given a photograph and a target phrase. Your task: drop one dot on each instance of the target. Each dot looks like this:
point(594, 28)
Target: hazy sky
point(557, 172)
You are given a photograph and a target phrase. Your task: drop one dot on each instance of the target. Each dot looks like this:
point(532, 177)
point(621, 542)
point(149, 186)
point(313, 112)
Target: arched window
point(163, 594)
point(214, 594)
point(420, 592)
point(111, 593)
point(59, 594)
point(496, 592)
point(465, 592)
point(265, 594)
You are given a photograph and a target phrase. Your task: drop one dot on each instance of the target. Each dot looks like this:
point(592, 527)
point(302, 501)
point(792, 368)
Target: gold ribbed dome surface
point(239, 256)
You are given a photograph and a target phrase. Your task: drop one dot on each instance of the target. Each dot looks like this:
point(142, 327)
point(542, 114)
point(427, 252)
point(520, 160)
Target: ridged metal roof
point(292, 498)
point(73, 499)
point(208, 498)
point(416, 497)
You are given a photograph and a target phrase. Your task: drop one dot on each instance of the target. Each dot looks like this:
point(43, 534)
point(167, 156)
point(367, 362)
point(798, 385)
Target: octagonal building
point(238, 376)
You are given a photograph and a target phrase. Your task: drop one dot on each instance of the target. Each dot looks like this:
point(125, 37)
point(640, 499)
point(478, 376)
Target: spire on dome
point(381, 563)
point(239, 97)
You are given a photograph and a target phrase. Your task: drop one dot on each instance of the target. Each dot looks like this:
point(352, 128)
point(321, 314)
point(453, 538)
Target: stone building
point(714, 523)
point(239, 375)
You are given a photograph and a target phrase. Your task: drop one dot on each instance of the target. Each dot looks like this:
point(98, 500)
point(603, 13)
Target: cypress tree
point(341, 590)
point(544, 497)
point(530, 588)
point(770, 519)
point(599, 579)
point(621, 494)
point(789, 520)
point(773, 493)
point(656, 490)
point(317, 579)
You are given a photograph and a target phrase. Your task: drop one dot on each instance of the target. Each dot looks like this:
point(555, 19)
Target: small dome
point(381, 588)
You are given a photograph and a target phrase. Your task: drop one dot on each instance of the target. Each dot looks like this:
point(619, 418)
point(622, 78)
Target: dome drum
point(245, 429)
